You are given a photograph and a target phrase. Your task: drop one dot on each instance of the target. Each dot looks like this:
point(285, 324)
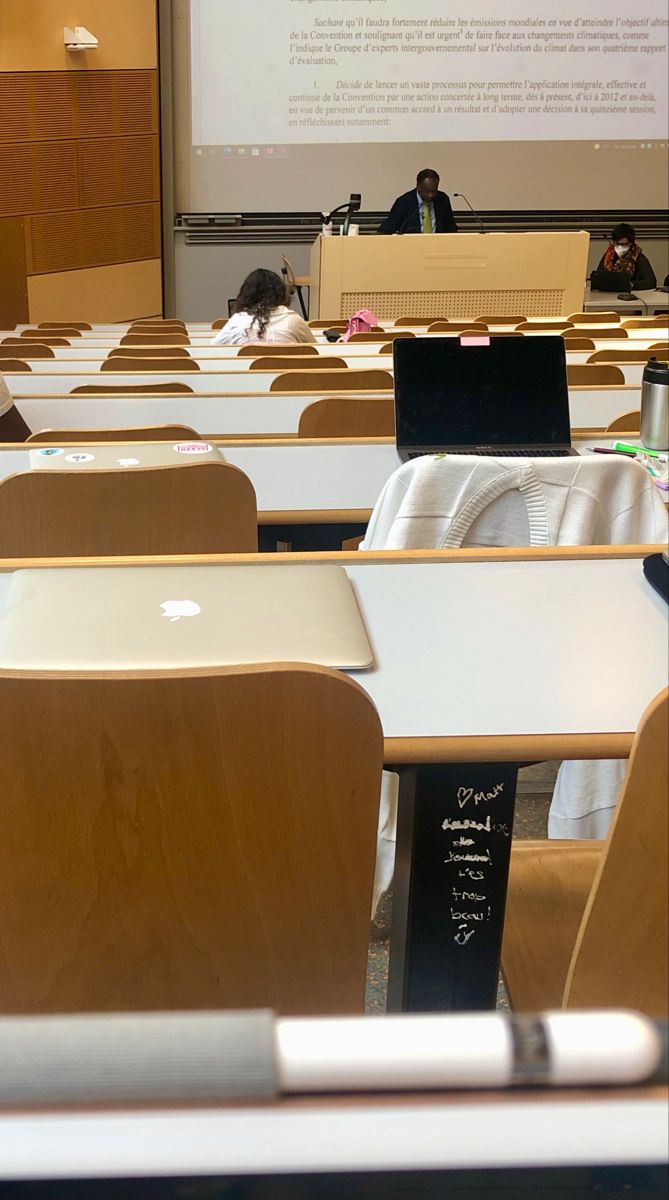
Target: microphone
point(352, 205)
point(461, 196)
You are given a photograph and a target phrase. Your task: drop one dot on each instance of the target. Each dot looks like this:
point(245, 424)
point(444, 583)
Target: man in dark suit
point(425, 210)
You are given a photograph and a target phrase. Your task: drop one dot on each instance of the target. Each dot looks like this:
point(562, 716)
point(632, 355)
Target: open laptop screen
point(507, 391)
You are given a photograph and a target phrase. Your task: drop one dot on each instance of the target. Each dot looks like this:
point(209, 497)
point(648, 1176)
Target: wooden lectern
point(449, 275)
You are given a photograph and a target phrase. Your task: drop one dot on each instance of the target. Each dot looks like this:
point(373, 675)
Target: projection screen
point(293, 104)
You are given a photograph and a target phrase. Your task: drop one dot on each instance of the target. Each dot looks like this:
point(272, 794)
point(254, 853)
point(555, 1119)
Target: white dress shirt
point(284, 325)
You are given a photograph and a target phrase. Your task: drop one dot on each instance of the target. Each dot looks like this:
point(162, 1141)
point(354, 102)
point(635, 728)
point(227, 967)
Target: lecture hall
point(334, 598)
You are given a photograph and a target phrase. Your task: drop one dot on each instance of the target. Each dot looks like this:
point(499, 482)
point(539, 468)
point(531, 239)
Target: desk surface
point(647, 301)
point(380, 1133)
point(484, 656)
point(303, 481)
point(216, 415)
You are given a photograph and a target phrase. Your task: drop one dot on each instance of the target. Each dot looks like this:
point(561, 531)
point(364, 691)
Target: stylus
point(470, 1051)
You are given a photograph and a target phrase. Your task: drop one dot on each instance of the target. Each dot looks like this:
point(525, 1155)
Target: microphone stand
point(352, 205)
point(461, 196)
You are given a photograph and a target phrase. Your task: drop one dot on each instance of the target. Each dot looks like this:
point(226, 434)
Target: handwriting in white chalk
point(464, 795)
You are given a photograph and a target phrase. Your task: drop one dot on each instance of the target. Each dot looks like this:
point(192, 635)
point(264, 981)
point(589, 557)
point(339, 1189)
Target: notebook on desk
point(173, 618)
point(110, 457)
point(481, 395)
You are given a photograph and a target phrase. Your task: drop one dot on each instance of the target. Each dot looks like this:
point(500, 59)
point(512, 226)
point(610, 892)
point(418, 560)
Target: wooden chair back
point(294, 349)
point(149, 352)
point(35, 339)
point(629, 422)
point(630, 356)
point(369, 335)
point(219, 322)
point(348, 416)
point(11, 366)
point(400, 321)
point(620, 959)
point(389, 336)
point(13, 428)
point(143, 433)
point(120, 363)
point(67, 331)
point(337, 323)
point(544, 326)
point(593, 375)
point(594, 318)
point(202, 508)
point(648, 323)
point(352, 380)
point(131, 389)
point(36, 351)
point(457, 327)
point(662, 346)
point(201, 841)
point(158, 323)
point(608, 331)
point(574, 342)
point(78, 325)
point(487, 319)
point(150, 338)
point(281, 363)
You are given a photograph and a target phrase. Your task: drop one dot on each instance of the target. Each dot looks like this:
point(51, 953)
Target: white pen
point(478, 1050)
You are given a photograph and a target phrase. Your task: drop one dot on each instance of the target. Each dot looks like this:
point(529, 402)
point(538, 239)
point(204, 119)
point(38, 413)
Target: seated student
point(261, 314)
point(623, 267)
point(12, 426)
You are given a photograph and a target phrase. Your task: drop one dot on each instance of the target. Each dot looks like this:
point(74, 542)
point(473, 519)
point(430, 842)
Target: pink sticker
point(475, 341)
point(192, 448)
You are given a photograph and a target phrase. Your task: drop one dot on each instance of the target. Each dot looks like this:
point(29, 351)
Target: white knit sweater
point(461, 500)
point(465, 500)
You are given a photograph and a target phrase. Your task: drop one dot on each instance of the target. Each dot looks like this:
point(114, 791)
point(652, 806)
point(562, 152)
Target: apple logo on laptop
point(174, 609)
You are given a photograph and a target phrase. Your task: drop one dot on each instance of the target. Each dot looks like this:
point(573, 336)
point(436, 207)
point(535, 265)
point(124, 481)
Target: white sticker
point(49, 451)
point(192, 448)
point(174, 609)
point(128, 462)
point(79, 458)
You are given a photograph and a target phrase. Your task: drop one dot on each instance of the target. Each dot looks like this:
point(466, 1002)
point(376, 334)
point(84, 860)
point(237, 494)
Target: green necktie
point(427, 219)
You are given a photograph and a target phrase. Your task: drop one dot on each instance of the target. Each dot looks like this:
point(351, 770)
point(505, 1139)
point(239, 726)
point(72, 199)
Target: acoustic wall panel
point(41, 105)
point(92, 237)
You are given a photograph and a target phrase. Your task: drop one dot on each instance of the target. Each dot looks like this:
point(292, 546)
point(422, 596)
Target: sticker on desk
point(192, 448)
point(128, 462)
point(79, 458)
point(49, 451)
point(468, 340)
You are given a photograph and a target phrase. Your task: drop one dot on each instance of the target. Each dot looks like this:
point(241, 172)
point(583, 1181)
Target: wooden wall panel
point(14, 292)
point(92, 237)
point(31, 35)
point(40, 105)
point(79, 139)
point(119, 292)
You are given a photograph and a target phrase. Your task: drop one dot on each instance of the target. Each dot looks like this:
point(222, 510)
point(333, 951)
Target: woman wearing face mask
point(624, 261)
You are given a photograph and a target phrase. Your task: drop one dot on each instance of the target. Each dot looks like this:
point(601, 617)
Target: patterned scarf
point(626, 263)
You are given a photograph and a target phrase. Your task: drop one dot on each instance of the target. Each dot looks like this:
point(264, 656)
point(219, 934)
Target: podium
point(449, 275)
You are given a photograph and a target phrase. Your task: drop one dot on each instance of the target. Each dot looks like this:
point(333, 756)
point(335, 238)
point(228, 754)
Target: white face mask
point(620, 250)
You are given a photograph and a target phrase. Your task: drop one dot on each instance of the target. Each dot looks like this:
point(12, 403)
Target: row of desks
point(254, 413)
point(296, 481)
point(481, 661)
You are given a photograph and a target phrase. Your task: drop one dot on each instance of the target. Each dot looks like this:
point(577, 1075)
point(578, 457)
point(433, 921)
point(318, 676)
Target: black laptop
point(482, 395)
point(603, 280)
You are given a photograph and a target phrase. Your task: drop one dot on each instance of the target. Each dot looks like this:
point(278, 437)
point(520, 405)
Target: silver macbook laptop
point(171, 618)
point(499, 396)
point(110, 457)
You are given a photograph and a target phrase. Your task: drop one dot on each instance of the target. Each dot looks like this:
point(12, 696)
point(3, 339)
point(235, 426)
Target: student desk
point(416, 1132)
point(268, 414)
point(647, 302)
point(303, 481)
point(482, 661)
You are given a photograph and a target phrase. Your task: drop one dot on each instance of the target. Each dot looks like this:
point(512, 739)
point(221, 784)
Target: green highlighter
point(627, 449)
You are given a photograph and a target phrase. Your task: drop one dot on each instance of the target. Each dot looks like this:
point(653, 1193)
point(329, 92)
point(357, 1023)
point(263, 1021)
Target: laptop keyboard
point(553, 452)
